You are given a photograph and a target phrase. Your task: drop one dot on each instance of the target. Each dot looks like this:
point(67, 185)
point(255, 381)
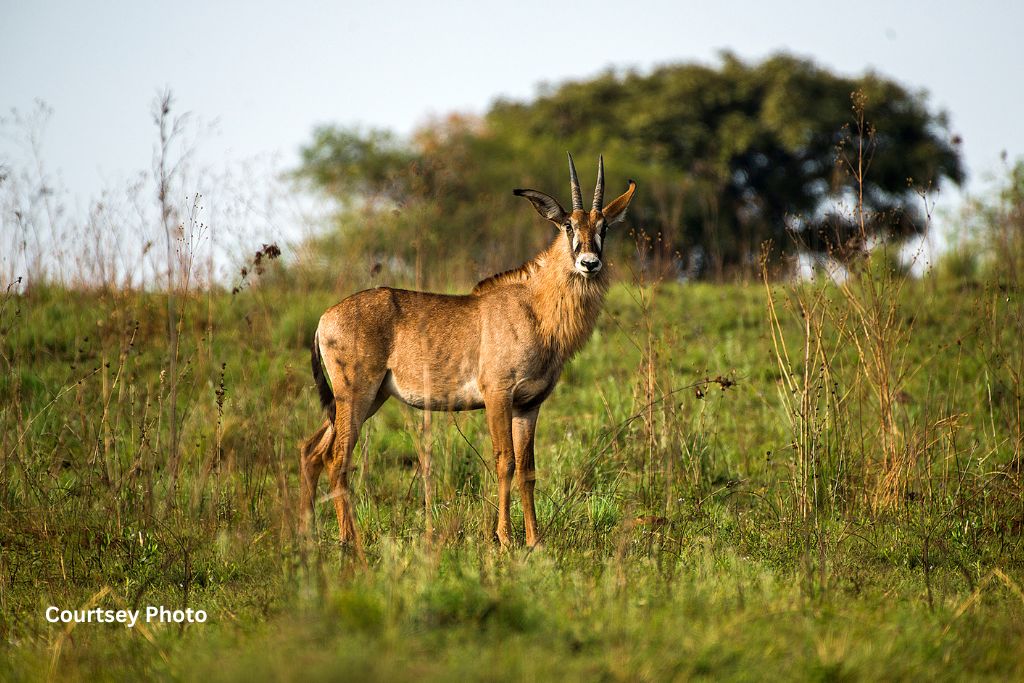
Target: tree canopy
point(726, 157)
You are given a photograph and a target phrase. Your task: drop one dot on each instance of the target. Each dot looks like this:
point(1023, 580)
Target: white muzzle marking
point(593, 260)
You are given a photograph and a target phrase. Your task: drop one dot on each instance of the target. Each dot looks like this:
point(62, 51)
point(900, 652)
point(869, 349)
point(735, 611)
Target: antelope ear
point(616, 211)
point(545, 204)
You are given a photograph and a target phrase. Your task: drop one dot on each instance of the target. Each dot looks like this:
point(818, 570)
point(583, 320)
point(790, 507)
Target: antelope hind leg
point(312, 454)
point(350, 413)
point(499, 422)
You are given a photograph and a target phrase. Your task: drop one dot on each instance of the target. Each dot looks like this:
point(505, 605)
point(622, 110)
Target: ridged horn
point(574, 180)
point(599, 190)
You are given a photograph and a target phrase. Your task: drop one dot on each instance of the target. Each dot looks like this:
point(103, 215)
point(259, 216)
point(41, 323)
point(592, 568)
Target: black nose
point(590, 264)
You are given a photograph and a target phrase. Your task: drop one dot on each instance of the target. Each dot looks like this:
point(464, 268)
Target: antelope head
point(584, 231)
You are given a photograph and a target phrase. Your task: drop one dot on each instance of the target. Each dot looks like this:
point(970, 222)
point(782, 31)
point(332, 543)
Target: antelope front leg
point(499, 423)
point(524, 426)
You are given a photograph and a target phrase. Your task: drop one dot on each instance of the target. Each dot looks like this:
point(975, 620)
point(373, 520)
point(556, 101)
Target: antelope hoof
point(347, 534)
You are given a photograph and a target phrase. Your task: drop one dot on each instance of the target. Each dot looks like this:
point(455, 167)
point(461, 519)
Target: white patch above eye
point(575, 241)
point(597, 239)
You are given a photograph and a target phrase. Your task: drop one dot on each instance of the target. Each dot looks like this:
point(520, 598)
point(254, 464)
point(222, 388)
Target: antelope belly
point(466, 396)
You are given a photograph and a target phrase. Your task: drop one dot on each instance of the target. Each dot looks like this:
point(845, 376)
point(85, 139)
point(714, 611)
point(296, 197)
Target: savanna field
point(792, 480)
point(746, 473)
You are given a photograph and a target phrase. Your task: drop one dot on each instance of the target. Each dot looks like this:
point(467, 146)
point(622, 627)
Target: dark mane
point(520, 274)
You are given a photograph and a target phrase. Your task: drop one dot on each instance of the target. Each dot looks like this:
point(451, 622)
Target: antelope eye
point(568, 228)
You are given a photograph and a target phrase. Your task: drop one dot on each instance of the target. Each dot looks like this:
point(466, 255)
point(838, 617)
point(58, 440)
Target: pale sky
point(269, 72)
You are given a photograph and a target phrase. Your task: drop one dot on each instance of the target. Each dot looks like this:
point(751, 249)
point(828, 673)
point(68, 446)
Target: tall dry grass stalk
point(872, 320)
point(809, 393)
point(652, 380)
point(182, 240)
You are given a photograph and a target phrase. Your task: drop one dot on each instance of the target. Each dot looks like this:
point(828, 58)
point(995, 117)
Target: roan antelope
point(500, 348)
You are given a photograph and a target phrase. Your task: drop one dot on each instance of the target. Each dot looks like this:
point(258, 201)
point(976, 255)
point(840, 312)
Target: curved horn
point(577, 199)
point(599, 190)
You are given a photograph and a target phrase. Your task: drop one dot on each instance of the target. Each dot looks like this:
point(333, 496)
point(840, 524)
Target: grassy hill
point(798, 481)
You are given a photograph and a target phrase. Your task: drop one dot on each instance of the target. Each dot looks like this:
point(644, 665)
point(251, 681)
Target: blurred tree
point(726, 158)
point(350, 163)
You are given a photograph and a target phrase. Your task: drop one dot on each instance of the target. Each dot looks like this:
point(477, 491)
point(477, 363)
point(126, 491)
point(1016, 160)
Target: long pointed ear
point(616, 211)
point(545, 204)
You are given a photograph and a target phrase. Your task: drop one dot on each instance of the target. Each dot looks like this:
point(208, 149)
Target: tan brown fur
point(501, 348)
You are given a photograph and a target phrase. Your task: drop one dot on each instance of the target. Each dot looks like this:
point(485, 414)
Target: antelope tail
point(322, 386)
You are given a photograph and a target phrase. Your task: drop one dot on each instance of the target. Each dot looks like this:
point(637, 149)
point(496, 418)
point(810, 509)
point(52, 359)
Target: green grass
point(674, 543)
